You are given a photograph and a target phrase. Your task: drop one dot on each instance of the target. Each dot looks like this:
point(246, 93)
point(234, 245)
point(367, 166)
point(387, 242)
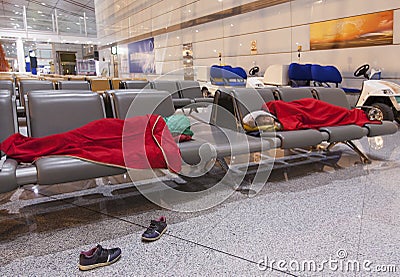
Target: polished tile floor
point(308, 220)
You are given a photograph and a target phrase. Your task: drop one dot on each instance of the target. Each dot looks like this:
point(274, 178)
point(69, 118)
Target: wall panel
point(208, 49)
point(308, 11)
point(168, 54)
point(278, 31)
point(266, 19)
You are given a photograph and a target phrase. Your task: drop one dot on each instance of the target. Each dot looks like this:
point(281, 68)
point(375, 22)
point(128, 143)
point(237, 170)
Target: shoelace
point(152, 227)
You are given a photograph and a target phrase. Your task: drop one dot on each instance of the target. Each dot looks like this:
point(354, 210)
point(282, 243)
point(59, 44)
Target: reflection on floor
point(347, 213)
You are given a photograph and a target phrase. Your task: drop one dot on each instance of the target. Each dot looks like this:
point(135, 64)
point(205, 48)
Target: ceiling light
point(44, 4)
point(39, 12)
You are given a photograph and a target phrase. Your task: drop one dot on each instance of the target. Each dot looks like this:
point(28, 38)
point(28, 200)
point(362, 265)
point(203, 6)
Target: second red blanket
point(140, 142)
point(312, 113)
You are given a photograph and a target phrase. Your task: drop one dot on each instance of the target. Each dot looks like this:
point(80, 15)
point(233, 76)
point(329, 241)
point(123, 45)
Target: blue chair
point(234, 76)
point(216, 75)
point(323, 75)
point(300, 75)
point(226, 75)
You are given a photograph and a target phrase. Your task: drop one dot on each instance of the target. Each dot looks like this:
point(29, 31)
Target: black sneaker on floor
point(98, 257)
point(155, 230)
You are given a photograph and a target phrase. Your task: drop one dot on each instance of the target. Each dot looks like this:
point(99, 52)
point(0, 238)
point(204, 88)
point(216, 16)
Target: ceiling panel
point(72, 7)
point(40, 14)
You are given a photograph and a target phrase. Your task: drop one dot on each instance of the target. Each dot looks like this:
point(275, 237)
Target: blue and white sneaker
point(155, 230)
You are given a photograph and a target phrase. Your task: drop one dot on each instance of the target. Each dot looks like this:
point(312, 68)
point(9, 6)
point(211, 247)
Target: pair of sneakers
point(99, 256)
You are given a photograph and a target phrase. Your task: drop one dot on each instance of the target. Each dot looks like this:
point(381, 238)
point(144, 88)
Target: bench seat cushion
point(229, 142)
point(297, 138)
point(8, 180)
point(181, 102)
point(343, 133)
point(386, 128)
point(54, 170)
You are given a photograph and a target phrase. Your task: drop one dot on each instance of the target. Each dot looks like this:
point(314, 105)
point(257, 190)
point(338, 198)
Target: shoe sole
point(156, 238)
point(93, 266)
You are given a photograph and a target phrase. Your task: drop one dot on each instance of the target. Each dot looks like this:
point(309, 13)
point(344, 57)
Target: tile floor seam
point(224, 252)
point(211, 227)
point(361, 223)
point(231, 255)
point(363, 193)
point(171, 235)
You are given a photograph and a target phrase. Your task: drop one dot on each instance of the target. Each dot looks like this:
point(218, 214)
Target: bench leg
point(364, 159)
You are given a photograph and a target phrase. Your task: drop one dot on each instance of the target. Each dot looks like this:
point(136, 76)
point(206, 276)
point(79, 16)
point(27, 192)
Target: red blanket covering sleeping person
point(310, 113)
point(139, 142)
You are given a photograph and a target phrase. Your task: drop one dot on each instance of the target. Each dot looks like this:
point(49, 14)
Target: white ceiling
point(41, 15)
point(68, 7)
point(41, 18)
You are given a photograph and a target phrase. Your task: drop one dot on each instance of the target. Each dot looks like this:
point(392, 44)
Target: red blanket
point(140, 142)
point(311, 113)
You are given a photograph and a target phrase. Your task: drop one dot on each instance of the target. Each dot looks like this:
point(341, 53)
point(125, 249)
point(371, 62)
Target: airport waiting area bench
point(241, 101)
point(183, 92)
point(52, 112)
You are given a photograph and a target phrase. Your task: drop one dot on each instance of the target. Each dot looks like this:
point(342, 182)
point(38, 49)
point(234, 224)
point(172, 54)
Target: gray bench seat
point(228, 142)
point(385, 128)
point(73, 85)
point(8, 126)
point(245, 100)
point(55, 170)
point(52, 113)
point(337, 96)
point(131, 103)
